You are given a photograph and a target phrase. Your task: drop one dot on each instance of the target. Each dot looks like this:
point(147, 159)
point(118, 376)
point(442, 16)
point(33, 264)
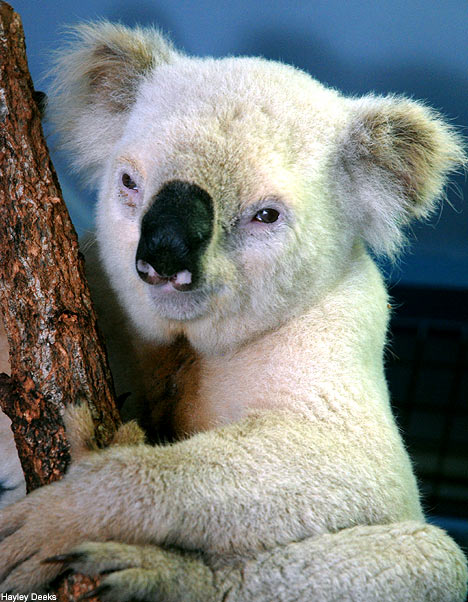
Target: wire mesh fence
point(427, 370)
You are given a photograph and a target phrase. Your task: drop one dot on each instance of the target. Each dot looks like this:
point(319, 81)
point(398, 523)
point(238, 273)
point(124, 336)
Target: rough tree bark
point(56, 353)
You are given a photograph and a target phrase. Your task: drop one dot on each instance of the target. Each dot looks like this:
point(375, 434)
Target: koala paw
point(130, 585)
point(50, 521)
point(144, 573)
point(134, 573)
point(80, 429)
point(93, 558)
point(27, 536)
point(129, 434)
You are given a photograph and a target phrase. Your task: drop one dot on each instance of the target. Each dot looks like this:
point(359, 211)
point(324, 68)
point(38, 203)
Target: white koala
point(242, 310)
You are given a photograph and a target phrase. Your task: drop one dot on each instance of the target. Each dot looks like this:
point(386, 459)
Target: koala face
point(234, 193)
point(214, 206)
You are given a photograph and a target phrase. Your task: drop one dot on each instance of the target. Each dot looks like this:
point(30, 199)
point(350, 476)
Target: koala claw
point(64, 559)
point(92, 558)
point(97, 592)
point(126, 586)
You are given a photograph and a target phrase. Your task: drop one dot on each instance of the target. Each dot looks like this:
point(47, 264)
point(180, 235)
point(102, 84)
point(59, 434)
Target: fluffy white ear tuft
point(392, 163)
point(96, 77)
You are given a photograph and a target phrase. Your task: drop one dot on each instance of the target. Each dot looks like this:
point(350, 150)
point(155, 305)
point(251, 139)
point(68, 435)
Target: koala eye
point(266, 216)
point(128, 182)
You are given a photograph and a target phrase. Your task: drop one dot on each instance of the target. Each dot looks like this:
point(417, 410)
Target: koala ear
point(96, 77)
point(392, 163)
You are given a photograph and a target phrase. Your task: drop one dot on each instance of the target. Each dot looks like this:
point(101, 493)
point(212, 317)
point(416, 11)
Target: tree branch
point(56, 353)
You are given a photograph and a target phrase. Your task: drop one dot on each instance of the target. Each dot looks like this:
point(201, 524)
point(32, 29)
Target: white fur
point(288, 475)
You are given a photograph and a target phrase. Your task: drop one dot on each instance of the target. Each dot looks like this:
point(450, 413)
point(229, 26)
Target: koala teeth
point(180, 281)
point(148, 273)
point(184, 277)
point(144, 267)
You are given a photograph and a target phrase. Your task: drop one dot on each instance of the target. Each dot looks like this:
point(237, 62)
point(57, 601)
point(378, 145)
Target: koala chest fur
point(187, 393)
point(332, 350)
point(171, 392)
point(182, 401)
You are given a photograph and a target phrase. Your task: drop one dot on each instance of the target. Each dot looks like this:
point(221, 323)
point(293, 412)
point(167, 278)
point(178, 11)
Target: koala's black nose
point(175, 232)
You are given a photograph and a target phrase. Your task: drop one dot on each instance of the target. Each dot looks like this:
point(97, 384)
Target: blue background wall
point(415, 47)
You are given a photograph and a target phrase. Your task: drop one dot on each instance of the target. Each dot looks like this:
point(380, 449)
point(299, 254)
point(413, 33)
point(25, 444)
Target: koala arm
point(265, 481)
point(401, 562)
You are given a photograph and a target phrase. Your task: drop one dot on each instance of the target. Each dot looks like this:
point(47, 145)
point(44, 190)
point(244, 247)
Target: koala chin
point(238, 202)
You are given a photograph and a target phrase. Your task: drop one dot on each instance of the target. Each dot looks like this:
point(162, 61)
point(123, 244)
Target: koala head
point(234, 193)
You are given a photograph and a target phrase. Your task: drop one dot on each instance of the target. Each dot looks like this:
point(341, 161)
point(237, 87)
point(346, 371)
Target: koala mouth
point(181, 281)
point(175, 297)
